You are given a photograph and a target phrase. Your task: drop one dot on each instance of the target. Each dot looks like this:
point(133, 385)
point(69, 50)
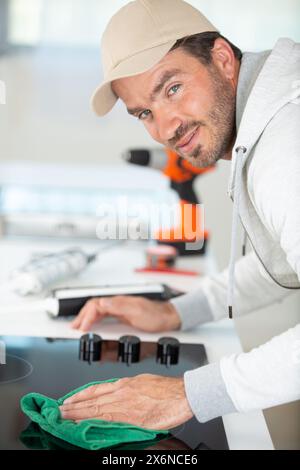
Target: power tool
point(190, 237)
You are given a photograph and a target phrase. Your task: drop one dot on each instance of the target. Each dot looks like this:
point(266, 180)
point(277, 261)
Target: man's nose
point(167, 123)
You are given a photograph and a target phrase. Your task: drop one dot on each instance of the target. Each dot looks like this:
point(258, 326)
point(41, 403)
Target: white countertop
point(116, 266)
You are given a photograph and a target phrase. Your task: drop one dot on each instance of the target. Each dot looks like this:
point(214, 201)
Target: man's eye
point(144, 114)
point(173, 89)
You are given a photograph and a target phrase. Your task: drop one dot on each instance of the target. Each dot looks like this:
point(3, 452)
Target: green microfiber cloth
point(91, 434)
point(35, 438)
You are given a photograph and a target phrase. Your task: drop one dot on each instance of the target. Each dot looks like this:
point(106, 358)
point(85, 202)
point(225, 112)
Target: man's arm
point(253, 289)
point(264, 377)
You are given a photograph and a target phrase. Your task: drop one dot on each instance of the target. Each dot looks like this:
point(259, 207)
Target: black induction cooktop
point(53, 367)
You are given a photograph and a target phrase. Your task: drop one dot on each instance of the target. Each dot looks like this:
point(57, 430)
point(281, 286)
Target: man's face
point(184, 105)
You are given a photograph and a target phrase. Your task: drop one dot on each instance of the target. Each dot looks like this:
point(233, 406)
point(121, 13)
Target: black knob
point(129, 349)
point(168, 351)
point(90, 348)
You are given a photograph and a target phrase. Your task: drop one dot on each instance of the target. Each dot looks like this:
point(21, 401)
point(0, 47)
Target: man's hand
point(138, 312)
point(148, 401)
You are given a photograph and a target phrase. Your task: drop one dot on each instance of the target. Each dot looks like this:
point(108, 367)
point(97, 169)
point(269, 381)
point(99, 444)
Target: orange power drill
point(182, 174)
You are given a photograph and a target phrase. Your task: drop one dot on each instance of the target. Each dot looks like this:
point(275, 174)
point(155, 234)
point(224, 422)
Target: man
point(198, 95)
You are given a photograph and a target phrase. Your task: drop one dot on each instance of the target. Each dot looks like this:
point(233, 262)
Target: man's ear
point(114, 87)
point(223, 57)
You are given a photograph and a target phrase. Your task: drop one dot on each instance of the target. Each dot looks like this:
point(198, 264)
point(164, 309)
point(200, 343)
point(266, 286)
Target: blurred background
point(50, 64)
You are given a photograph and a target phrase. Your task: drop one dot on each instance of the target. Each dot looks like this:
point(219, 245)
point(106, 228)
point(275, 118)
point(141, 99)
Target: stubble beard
point(220, 122)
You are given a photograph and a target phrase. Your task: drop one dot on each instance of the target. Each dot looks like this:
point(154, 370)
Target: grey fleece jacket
point(269, 375)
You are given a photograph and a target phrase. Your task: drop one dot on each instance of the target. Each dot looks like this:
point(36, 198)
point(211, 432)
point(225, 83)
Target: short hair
point(200, 46)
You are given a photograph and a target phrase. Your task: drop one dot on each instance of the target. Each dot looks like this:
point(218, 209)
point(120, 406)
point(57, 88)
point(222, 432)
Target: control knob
point(168, 351)
point(90, 348)
point(129, 349)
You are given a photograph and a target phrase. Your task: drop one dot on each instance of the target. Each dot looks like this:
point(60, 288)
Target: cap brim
point(104, 98)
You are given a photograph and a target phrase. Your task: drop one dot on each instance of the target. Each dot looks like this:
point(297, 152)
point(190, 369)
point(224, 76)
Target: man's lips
point(188, 141)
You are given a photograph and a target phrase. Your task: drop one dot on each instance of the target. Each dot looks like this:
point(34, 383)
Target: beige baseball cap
point(138, 36)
